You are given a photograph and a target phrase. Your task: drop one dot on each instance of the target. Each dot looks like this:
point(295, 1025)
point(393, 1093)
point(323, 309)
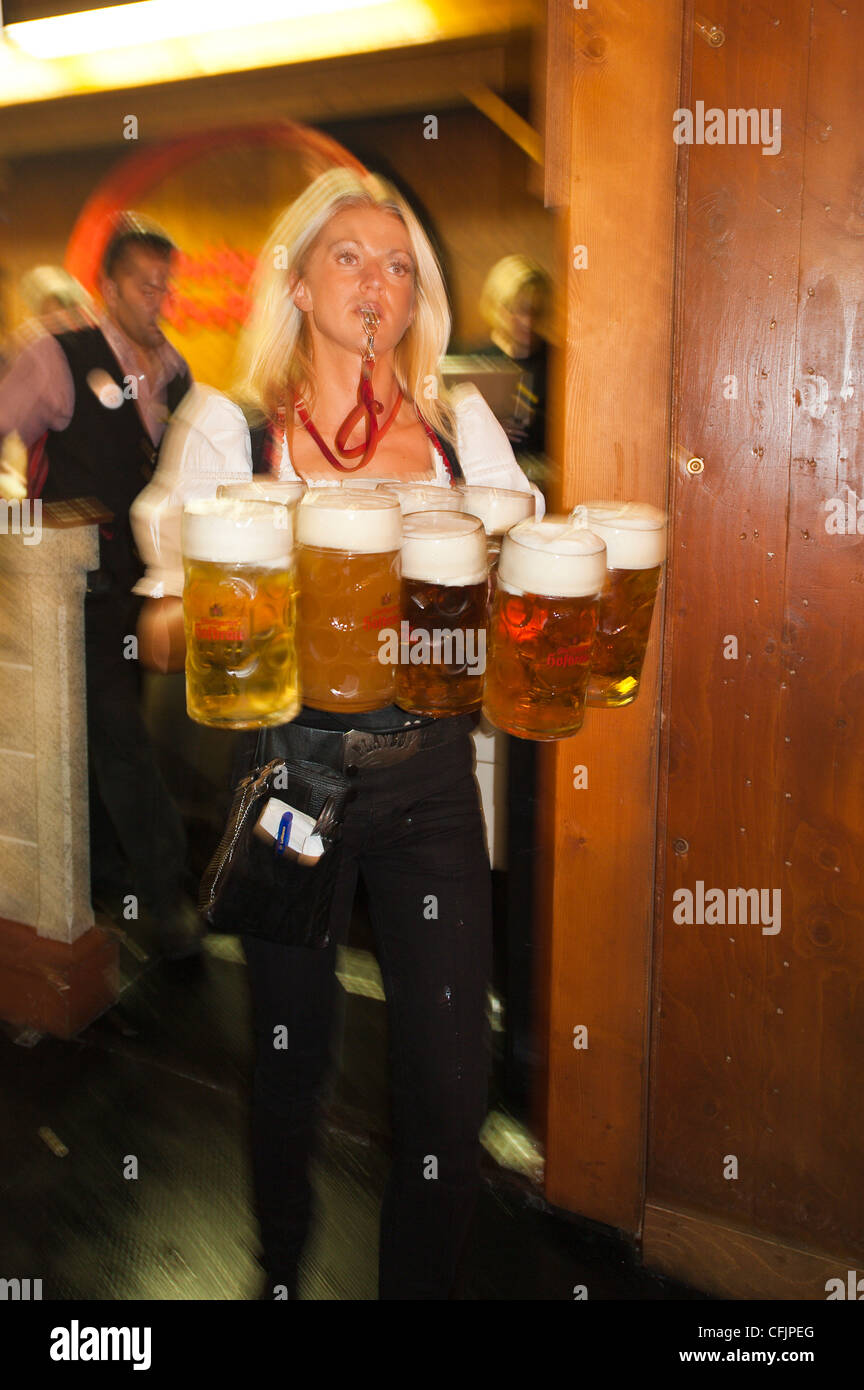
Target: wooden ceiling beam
point(432, 77)
point(505, 118)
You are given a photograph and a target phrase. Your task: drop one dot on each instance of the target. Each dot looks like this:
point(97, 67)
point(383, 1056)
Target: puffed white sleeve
point(206, 443)
point(483, 448)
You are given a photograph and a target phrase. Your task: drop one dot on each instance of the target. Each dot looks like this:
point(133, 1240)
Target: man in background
point(91, 404)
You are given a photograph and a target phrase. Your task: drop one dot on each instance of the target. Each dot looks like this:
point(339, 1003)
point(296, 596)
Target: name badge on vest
point(106, 390)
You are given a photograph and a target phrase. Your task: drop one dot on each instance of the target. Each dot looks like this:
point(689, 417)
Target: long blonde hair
point(275, 354)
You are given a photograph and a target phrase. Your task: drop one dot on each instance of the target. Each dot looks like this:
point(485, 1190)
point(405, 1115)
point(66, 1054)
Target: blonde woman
point(515, 305)
point(414, 828)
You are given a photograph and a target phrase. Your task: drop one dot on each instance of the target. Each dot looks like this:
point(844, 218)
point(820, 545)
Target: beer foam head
point(369, 484)
point(498, 508)
point(634, 532)
point(553, 557)
point(235, 531)
point(425, 497)
point(265, 491)
point(443, 548)
point(366, 523)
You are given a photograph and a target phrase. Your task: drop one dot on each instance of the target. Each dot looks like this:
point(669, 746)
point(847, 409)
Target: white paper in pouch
point(281, 822)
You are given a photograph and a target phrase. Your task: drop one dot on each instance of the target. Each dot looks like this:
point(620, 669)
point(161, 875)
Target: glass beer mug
point(349, 577)
point(264, 489)
point(364, 484)
point(498, 508)
point(239, 613)
point(443, 655)
point(541, 633)
point(424, 497)
point(635, 536)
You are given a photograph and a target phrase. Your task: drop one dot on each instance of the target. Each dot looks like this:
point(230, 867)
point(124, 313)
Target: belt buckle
point(364, 748)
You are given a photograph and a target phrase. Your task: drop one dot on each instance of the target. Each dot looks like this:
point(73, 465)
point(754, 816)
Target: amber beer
point(442, 651)
point(635, 536)
point(541, 633)
point(239, 614)
point(349, 575)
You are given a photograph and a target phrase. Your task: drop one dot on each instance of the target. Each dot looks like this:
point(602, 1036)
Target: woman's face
point(361, 258)
point(520, 318)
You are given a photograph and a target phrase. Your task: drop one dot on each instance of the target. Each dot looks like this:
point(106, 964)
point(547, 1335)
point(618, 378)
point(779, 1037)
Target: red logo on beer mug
point(220, 630)
point(388, 616)
point(567, 656)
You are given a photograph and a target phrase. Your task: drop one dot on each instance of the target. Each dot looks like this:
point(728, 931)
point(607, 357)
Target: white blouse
point(208, 444)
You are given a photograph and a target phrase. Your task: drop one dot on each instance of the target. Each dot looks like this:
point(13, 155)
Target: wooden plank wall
point(758, 1047)
point(596, 848)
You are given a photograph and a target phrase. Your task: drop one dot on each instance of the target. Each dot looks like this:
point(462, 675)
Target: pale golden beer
point(635, 536)
point(541, 633)
point(349, 575)
point(239, 614)
point(442, 648)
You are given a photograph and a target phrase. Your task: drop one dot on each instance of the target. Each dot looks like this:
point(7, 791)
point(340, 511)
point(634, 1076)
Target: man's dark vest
point(105, 453)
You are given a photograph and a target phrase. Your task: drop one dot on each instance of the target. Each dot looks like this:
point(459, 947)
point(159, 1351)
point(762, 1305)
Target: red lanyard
point(276, 434)
point(366, 405)
point(366, 408)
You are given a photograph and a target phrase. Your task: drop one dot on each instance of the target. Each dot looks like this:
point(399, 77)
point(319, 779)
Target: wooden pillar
point(756, 1137)
point(57, 970)
point(612, 86)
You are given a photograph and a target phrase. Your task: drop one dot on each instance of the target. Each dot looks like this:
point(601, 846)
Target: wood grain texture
point(816, 1112)
point(560, 38)
point(729, 1263)
point(597, 856)
point(757, 1045)
point(739, 295)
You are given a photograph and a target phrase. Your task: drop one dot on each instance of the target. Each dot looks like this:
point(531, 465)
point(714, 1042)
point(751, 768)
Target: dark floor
point(161, 1082)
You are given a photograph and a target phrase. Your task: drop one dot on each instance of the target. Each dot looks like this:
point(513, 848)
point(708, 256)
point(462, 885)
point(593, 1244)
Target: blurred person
point(514, 303)
point(97, 395)
point(49, 289)
point(49, 292)
point(414, 826)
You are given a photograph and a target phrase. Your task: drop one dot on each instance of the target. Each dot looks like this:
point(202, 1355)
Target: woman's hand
point(161, 636)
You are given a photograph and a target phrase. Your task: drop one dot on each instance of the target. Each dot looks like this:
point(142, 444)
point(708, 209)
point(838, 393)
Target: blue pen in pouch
point(283, 835)
point(290, 832)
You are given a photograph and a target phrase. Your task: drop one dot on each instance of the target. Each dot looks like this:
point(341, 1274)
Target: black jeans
point(415, 833)
point(133, 820)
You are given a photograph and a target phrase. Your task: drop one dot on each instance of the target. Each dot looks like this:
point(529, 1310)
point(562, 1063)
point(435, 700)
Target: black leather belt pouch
point(252, 885)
